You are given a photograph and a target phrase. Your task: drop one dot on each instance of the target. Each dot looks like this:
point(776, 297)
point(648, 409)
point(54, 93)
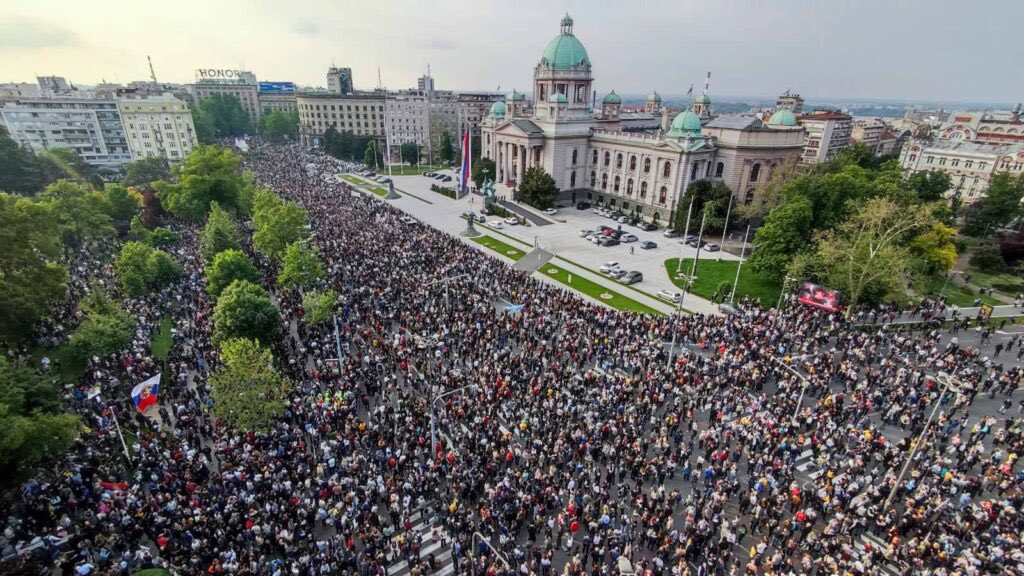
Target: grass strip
point(364, 185)
point(955, 294)
point(712, 273)
point(596, 291)
point(499, 247)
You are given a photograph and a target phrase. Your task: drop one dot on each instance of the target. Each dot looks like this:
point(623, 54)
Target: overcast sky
point(937, 50)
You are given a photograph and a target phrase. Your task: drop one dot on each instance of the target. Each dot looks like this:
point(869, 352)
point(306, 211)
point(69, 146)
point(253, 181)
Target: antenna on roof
point(428, 69)
point(379, 82)
point(152, 73)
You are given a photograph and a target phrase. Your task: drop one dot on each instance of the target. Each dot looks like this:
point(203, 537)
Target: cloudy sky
point(900, 49)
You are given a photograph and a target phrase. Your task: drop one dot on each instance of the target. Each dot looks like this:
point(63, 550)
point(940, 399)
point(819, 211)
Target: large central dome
point(565, 52)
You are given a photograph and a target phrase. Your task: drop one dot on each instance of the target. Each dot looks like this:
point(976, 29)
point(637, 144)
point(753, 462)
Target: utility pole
point(728, 211)
point(686, 287)
point(739, 266)
point(682, 243)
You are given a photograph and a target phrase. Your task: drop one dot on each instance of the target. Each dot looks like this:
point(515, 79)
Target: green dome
point(516, 96)
point(497, 110)
point(686, 123)
point(565, 52)
point(782, 117)
point(654, 97)
point(558, 98)
point(612, 98)
point(704, 98)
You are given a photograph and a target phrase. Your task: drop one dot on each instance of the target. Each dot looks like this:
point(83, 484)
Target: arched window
point(662, 195)
point(632, 162)
point(618, 161)
point(488, 139)
point(574, 157)
point(643, 190)
point(616, 185)
point(693, 173)
point(593, 179)
point(749, 197)
point(755, 172)
point(607, 158)
point(647, 165)
point(719, 170)
point(595, 157)
point(629, 187)
point(572, 178)
point(604, 181)
point(667, 170)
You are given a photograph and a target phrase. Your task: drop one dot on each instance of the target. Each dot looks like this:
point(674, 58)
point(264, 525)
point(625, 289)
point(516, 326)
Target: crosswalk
point(421, 525)
point(883, 566)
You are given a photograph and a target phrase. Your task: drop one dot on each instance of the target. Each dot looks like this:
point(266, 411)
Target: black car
point(608, 241)
point(583, 206)
point(648, 226)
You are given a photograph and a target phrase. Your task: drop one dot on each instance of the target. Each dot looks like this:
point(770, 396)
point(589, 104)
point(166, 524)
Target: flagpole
point(117, 425)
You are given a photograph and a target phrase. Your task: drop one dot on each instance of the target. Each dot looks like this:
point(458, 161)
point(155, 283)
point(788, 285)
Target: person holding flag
point(145, 394)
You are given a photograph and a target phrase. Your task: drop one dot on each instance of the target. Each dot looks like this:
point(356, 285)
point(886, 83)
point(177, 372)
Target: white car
point(673, 297)
point(607, 267)
point(494, 223)
point(551, 211)
point(511, 221)
point(584, 233)
point(629, 238)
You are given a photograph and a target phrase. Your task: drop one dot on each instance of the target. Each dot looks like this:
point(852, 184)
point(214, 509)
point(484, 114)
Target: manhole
point(552, 270)
point(606, 296)
point(512, 252)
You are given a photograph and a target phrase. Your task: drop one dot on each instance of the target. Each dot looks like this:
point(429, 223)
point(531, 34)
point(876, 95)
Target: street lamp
point(679, 311)
point(803, 385)
point(433, 417)
point(497, 554)
point(946, 382)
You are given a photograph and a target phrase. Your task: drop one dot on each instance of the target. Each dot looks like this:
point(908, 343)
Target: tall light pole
point(433, 417)
point(686, 287)
point(743, 252)
point(682, 243)
point(945, 381)
point(728, 211)
point(803, 383)
point(497, 554)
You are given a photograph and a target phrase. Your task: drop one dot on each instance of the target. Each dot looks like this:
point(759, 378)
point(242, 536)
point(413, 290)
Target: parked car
point(385, 180)
point(622, 220)
point(407, 220)
point(647, 245)
point(629, 238)
point(595, 238)
point(494, 223)
point(670, 296)
point(731, 309)
point(371, 174)
point(446, 179)
point(551, 211)
point(712, 247)
point(671, 234)
point(602, 228)
point(439, 176)
point(608, 267)
point(693, 241)
point(608, 241)
point(619, 273)
point(585, 232)
point(430, 174)
point(631, 277)
point(583, 205)
point(511, 221)
point(648, 226)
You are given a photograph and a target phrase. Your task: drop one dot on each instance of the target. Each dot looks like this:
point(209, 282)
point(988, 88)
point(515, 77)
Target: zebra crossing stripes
point(443, 554)
point(882, 566)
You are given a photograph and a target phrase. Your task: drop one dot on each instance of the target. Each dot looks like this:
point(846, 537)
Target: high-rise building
point(53, 84)
point(157, 126)
point(425, 83)
point(237, 83)
point(359, 114)
point(792, 102)
point(826, 133)
point(408, 116)
point(89, 126)
point(339, 80)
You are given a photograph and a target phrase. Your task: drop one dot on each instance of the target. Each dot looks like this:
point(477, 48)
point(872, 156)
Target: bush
point(445, 191)
point(140, 267)
point(499, 211)
point(987, 257)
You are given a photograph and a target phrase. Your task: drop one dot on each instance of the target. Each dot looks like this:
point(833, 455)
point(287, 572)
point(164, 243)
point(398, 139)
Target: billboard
point(277, 87)
point(819, 297)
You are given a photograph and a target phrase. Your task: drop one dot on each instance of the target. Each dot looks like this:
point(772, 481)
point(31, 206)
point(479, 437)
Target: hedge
point(444, 191)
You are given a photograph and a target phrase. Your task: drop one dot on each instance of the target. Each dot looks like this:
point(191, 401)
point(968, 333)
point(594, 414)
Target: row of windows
point(347, 107)
point(956, 162)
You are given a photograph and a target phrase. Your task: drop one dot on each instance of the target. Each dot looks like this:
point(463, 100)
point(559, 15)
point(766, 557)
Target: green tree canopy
point(141, 268)
point(244, 310)
point(785, 233)
point(410, 152)
point(934, 248)
point(345, 145)
point(279, 126)
point(987, 257)
point(208, 174)
point(227, 116)
point(930, 185)
point(319, 307)
point(81, 213)
point(771, 192)
point(123, 204)
point(1000, 205)
point(20, 172)
point(300, 266)
point(66, 164)
point(228, 266)
point(538, 188)
point(31, 278)
point(248, 393)
point(162, 237)
point(710, 196)
point(145, 171)
point(278, 226)
point(28, 439)
point(220, 233)
point(206, 132)
point(103, 332)
point(26, 390)
point(447, 151)
point(483, 168)
point(371, 156)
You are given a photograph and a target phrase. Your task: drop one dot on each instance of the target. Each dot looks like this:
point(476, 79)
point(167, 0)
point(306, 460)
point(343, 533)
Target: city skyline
point(841, 51)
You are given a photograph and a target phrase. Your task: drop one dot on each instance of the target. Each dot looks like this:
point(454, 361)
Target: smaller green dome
point(685, 124)
point(612, 98)
point(703, 98)
point(654, 97)
point(783, 117)
point(516, 96)
point(558, 98)
point(497, 110)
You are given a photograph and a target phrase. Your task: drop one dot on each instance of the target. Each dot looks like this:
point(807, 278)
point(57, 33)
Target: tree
point(31, 278)
point(986, 257)
point(930, 185)
point(81, 214)
point(65, 164)
point(244, 310)
point(446, 150)
point(538, 188)
point(770, 193)
point(279, 126)
point(410, 153)
point(141, 268)
point(145, 171)
point(29, 438)
point(248, 393)
point(208, 174)
point(708, 196)
point(474, 147)
point(785, 233)
point(206, 132)
point(161, 237)
point(219, 234)
point(277, 227)
point(20, 172)
point(227, 116)
point(483, 169)
point(26, 390)
point(162, 270)
point(319, 307)
point(934, 248)
point(866, 255)
point(300, 266)
point(228, 266)
point(123, 204)
point(372, 157)
point(1000, 205)
point(103, 333)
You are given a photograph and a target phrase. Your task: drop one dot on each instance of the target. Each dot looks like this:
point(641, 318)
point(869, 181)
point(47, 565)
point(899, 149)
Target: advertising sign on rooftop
point(277, 87)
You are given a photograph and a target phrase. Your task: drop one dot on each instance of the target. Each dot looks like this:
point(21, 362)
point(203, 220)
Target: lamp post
point(689, 283)
point(433, 417)
point(803, 384)
point(682, 243)
point(743, 252)
point(946, 382)
point(497, 554)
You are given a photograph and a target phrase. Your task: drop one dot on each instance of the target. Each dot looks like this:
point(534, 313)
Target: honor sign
point(214, 73)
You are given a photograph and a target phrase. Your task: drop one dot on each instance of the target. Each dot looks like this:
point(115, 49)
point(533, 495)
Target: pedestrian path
point(423, 527)
point(533, 261)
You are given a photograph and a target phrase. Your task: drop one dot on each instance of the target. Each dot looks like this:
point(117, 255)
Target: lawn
point(595, 290)
point(958, 295)
point(499, 247)
point(162, 341)
point(711, 273)
point(1008, 284)
point(64, 363)
point(382, 192)
point(409, 170)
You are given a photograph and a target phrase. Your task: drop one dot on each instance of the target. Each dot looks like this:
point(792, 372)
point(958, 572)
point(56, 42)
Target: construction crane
point(152, 73)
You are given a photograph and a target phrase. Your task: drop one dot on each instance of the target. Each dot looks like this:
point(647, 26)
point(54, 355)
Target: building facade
point(984, 127)
point(970, 165)
point(592, 157)
point(339, 80)
point(359, 114)
point(827, 132)
point(157, 127)
point(91, 127)
point(276, 97)
point(792, 102)
point(242, 86)
point(408, 117)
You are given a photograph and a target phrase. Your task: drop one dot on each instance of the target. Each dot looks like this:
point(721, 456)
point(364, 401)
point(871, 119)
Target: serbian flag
point(145, 395)
point(114, 486)
point(466, 163)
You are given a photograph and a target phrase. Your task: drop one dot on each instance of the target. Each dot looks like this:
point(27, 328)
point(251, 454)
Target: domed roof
point(565, 52)
point(612, 98)
point(558, 98)
point(704, 98)
point(783, 117)
point(516, 96)
point(654, 97)
point(686, 123)
point(497, 110)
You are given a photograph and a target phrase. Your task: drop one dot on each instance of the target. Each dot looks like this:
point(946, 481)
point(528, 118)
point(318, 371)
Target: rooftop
point(736, 122)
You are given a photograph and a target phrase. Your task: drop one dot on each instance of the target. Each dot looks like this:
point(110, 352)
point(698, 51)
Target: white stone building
point(827, 132)
point(970, 165)
point(157, 126)
point(359, 114)
point(89, 126)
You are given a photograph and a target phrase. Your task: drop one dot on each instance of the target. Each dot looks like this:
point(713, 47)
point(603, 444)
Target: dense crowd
point(567, 440)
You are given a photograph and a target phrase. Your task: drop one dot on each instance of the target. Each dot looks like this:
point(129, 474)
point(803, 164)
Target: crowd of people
point(559, 438)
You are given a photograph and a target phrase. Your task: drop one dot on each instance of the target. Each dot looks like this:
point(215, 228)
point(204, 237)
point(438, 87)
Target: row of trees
point(222, 116)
